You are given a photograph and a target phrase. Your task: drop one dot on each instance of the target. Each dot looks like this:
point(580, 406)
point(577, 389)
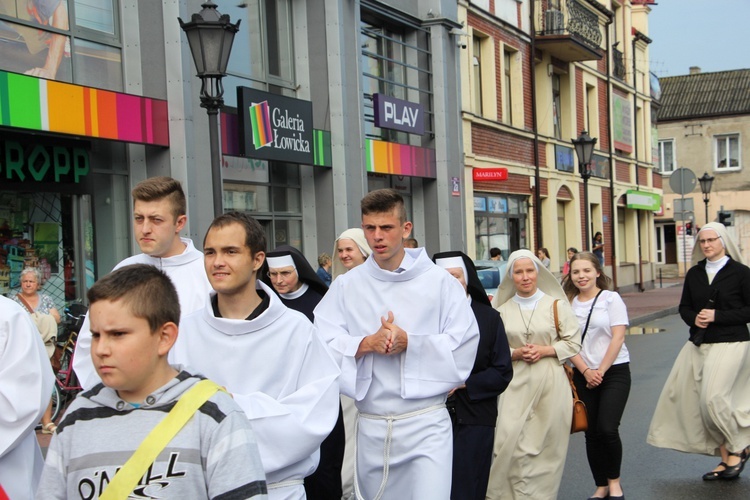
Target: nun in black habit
point(473, 406)
point(297, 284)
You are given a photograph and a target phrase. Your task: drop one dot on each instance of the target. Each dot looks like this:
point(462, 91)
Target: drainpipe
point(612, 206)
point(637, 36)
point(537, 177)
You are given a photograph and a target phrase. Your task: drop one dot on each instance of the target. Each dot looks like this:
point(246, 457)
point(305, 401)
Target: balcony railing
point(569, 30)
point(618, 60)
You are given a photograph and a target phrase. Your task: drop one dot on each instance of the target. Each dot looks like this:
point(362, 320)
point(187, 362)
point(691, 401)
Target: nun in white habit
point(705, 403)
point(26, 382)
point(535, 411)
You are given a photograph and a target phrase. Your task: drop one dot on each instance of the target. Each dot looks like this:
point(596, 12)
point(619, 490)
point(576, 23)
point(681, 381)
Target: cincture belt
point(387, 446)
point(284, 484)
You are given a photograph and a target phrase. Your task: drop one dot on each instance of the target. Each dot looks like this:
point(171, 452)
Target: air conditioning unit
point(554, 22)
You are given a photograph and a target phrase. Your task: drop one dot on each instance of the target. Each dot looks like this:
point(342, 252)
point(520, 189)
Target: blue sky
point(712, 34)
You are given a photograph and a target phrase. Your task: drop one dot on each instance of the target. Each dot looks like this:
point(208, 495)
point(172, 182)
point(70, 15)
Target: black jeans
point(604, 407)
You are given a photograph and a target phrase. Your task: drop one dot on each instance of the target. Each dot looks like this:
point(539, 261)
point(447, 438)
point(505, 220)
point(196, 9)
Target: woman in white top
point(602, 377)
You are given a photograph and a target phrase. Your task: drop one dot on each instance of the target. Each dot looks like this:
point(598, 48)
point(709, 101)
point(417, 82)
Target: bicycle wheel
point(58, 403)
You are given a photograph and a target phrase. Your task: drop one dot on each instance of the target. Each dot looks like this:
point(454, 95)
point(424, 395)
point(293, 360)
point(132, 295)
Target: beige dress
point(533, 425)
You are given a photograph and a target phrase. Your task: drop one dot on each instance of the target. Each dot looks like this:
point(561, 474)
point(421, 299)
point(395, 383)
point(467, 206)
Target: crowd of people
point(240, 371)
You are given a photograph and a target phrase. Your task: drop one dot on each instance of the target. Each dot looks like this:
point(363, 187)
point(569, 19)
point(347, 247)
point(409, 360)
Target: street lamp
point(585, 150)
point(706, 183)
point(210, 35)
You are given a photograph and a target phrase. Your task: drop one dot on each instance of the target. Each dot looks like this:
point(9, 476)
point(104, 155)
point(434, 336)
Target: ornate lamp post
point(706, 183)
point(210, 36)
point(584, 146)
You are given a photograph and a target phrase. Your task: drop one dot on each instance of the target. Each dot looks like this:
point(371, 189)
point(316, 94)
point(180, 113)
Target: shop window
point(263, 47)
point(37, 41)
point(499, 222)
point(396, 61)
point(727, 151)
point(666, 156)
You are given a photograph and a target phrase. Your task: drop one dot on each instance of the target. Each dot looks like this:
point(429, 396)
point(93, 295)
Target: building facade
point(535, 74)
point(703, 125)
point(358, 95)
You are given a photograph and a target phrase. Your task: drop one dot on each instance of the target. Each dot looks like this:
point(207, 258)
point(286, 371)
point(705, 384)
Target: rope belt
point(284, 484)
point(386, 445)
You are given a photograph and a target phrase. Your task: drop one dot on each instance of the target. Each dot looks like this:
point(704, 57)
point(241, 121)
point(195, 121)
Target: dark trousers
point(472, 457)
point(325, 482)
point(604, 407)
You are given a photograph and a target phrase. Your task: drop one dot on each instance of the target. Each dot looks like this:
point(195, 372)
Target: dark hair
point(162, 188)
point(598, 233)
point(573, 249)
point(602, 281)
point(494, 252)
point(383, 201)
point(255, 235)
point(545, 251)
point(145, 290)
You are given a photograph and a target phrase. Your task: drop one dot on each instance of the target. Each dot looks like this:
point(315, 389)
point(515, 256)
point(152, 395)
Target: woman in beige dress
point(705, 403)
point(534, 413)
point(349, 250)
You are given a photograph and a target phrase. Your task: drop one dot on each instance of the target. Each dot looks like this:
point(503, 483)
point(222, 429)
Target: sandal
point(49, 428)
point(733, 472)
point(715, 474)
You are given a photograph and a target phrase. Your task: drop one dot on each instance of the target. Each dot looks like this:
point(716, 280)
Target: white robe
point(26, 382)
point(431, 306)
point(189, 277)
point(280, 373)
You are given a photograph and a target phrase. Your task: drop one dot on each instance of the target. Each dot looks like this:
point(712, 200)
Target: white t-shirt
point(609, 311)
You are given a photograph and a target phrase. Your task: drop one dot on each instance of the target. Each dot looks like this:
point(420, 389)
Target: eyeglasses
point(283, 274)
point(707, 240)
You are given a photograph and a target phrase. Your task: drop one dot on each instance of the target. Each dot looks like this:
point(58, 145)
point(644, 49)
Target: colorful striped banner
point(33, 103)
point(399, 159)
point(261, 123)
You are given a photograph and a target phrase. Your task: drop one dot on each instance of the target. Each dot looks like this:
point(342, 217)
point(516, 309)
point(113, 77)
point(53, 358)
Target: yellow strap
point(128, 476)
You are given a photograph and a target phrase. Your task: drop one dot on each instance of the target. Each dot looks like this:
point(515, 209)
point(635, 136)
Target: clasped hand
point(390, 338)
point(531, 353)
point(593, 377)
point(705, 317)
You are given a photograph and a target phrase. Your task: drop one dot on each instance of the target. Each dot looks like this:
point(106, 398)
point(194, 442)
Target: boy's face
point(128, 357)
point(385, 234)
point(230, 265)
point(156, 229)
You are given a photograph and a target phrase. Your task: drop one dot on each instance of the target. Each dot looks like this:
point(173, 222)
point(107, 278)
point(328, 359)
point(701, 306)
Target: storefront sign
point(398, 114)
point(641, 200)
point(274, 127)
point(41, 163)
point(489, 174)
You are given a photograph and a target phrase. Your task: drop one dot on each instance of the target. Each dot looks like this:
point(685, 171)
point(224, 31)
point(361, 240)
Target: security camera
point(461, 44)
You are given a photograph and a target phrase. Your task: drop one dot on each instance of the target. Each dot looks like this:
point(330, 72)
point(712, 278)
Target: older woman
point(535, 411)
point(704, 405)
point(349, 250)
point(46, 318)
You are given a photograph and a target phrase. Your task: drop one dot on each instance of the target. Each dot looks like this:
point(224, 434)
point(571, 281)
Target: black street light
point(585, 150)
point(210, 35)
point(706, 183)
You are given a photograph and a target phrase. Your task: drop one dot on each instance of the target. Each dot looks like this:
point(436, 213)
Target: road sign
point(682, 181)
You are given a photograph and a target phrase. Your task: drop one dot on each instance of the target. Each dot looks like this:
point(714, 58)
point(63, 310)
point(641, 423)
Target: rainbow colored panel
point(399, 159)
point(261, 123)
point(33, 103)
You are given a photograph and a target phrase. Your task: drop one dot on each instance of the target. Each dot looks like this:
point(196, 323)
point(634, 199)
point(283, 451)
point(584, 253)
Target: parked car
point(491, 273)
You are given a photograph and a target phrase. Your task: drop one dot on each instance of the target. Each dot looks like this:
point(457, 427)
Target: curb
point(654, 315)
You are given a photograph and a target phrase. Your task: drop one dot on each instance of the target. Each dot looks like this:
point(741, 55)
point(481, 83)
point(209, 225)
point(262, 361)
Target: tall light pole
point(584, 146)
point(210, 35)
point(706, 183)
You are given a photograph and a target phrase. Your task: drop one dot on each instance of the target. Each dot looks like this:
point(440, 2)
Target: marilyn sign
point(397, 114)
point(274, 127)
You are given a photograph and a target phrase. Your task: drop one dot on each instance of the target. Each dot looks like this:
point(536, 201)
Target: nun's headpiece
point(357, 235)
point(729, 245)
point(545, 281)
point(474, 287)
point(284, 256)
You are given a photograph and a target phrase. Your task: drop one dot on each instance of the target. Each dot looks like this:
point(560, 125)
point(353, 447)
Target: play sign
point(398, 114)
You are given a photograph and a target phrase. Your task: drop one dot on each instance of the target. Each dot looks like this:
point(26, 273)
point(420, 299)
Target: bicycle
point(66, 386)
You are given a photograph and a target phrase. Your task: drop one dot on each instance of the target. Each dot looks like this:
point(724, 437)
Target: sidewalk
point(653, 304)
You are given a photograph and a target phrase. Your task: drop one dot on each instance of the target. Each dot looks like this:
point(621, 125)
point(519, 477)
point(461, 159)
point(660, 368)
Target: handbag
point(580, 421)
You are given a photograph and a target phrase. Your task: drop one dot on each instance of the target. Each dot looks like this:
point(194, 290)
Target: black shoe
point(745, 454)
point(715, 474)
point(734, 471)
point(621, 497)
